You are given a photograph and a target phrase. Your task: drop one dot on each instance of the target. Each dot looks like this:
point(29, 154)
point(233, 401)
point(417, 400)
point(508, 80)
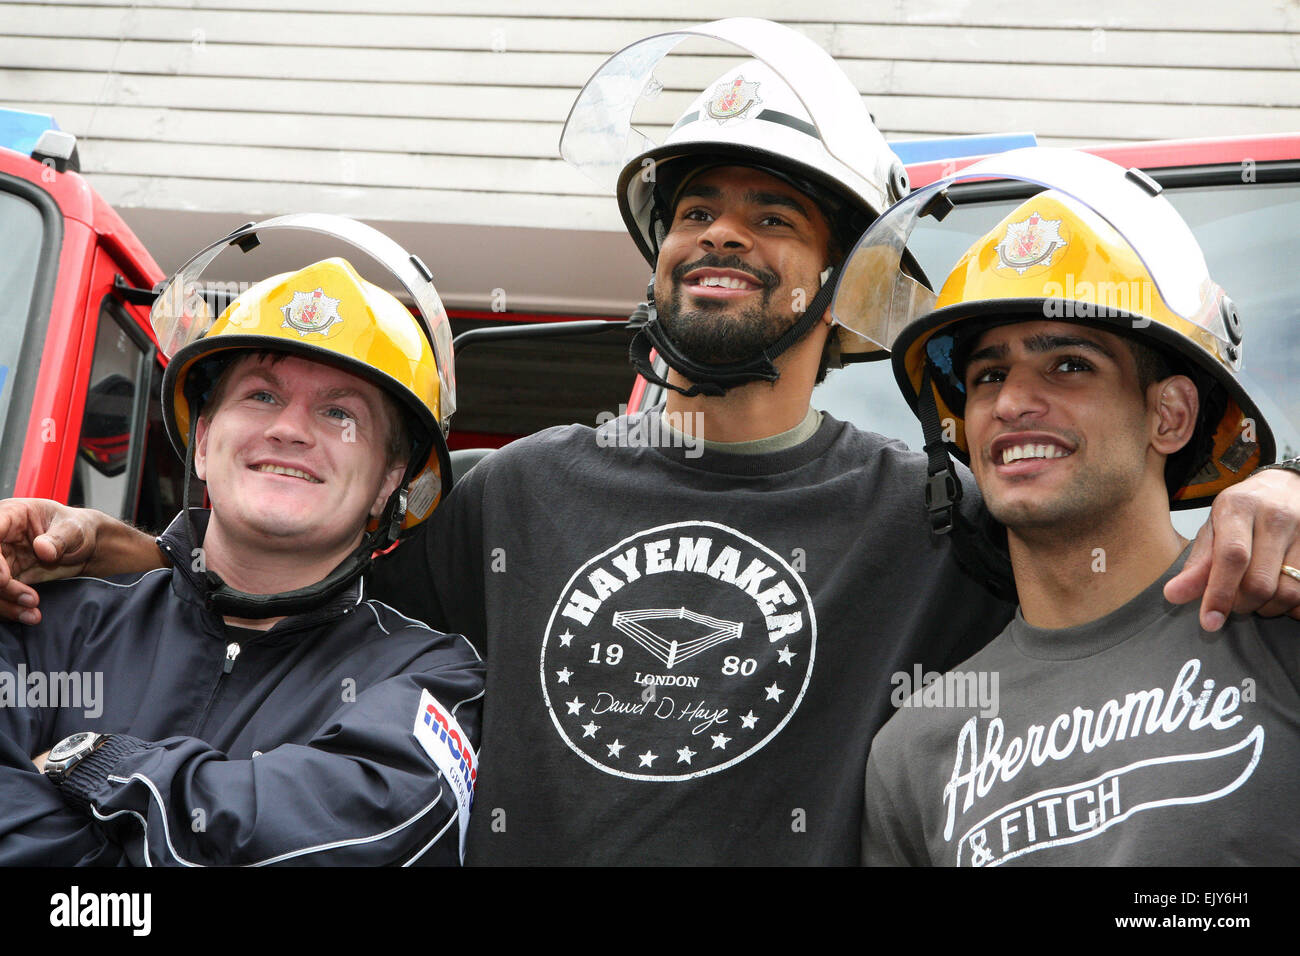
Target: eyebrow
point(757, 197)
point(259, 372)
point(1042, 343)
point(339, 391)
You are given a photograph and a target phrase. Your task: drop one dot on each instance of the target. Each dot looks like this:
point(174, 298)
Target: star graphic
point(647, 758)
point(749, 720)
point(589, 730)
point(685, 754)
point(565, 638)
point(615, 748)
point(575, 705)
point(563, 675)
point(773, 693)
point(786, 656)
point(720, 742)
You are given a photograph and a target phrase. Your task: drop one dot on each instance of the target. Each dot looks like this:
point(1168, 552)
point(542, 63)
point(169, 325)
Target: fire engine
point(80, 371)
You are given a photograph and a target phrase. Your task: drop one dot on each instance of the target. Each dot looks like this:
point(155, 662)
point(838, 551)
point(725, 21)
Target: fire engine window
point(100, 479)
point(21, 233)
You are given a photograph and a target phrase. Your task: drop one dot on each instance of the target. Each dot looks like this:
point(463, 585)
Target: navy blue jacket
point(299, 745)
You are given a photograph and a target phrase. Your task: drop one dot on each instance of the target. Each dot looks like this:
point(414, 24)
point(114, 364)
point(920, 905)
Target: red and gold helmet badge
point(733, 99)
point(311, 312)
point(1032, 242)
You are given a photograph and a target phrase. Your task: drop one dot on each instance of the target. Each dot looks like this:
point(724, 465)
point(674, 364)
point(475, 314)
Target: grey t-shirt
point(1136, 739)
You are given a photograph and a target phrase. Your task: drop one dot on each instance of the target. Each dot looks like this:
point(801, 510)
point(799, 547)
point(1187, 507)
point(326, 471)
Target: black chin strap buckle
point(398, 516)
point(942, 492)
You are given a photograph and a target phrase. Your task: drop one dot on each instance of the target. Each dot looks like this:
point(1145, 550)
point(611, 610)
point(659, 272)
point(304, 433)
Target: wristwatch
point(1287, 464)
point(70, 751)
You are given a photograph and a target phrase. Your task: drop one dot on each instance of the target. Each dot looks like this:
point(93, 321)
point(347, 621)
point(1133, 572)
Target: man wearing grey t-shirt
point(1118, 731)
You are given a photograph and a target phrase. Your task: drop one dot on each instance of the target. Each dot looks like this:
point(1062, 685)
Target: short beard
point(712, 335)
point(1090, 504)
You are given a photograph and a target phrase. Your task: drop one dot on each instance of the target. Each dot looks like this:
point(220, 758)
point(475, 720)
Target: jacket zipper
point(227, 665)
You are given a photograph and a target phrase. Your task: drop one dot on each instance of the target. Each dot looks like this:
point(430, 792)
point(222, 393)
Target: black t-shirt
point(688, 654)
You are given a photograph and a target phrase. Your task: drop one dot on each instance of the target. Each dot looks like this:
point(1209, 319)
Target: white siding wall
point(449, 112)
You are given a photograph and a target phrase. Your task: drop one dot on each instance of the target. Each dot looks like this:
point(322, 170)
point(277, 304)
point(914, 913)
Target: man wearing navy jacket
point(251, 705)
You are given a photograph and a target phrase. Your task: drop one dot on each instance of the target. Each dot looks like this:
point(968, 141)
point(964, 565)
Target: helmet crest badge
point(311, 312)
point(1031, 242)
point(732, 99)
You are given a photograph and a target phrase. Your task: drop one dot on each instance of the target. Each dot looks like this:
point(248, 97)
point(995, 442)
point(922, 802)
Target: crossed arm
point(360, 790)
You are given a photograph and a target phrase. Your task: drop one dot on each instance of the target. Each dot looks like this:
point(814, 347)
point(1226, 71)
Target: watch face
point(69, 745)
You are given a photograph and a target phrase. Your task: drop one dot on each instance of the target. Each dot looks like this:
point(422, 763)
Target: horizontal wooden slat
point(386, 134)
point(1078, 120)
point(307, 97)
point(1262, 15)
point(1094, 83)
point(283, 62)
point(269, 197)
point(337, 167)
point(426, 30)
point(1031, 43)
point(853, 40)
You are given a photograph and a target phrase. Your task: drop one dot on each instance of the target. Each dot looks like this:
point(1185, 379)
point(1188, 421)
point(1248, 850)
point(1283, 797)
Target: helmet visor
point(599, 139)
point(876, 299)
point(182, 313)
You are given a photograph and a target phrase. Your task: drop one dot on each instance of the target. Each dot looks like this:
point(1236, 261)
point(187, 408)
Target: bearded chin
point(720, 336)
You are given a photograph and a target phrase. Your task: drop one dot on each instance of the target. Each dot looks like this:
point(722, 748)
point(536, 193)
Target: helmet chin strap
point(979, 544)
point(716, 380)
point(222, 599)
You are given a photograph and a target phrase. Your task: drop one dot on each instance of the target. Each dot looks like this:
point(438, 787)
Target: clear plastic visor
point(599, 139)
point(876, 300)
point(181, 313)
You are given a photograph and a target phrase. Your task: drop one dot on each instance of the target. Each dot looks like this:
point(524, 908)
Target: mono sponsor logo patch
point(76, 909)
point(678, 652)
point(446, 742)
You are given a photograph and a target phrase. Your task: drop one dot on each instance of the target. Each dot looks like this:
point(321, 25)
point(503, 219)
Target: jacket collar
point(192, 584)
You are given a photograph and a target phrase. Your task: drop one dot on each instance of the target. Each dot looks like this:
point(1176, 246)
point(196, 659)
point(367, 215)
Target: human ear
point(390, 484)
point(1174, 403)
point(201, 448)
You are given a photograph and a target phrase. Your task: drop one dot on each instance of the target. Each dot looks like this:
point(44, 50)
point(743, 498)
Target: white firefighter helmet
point(750, 116)
point(790, 111)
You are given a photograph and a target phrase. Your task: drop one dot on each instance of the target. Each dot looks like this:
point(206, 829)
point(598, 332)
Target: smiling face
point(1060, 431)
point(295, 455)
point(743, 256)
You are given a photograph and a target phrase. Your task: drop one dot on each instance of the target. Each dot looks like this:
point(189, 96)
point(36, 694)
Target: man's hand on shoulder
point(1236, 561)
point(40, 540)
